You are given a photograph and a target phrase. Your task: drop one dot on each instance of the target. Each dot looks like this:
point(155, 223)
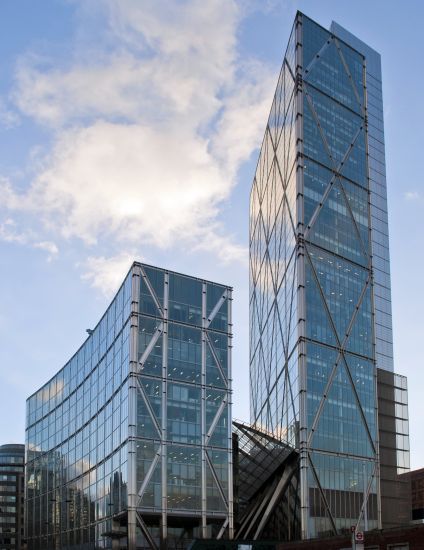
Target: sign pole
point(365, 498)
point(353, 531)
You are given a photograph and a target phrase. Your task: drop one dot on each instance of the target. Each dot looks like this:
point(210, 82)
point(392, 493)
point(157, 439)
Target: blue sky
point(130, 130)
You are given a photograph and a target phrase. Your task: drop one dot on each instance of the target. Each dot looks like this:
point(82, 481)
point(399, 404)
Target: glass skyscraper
point(319, 275)
point(129, 444)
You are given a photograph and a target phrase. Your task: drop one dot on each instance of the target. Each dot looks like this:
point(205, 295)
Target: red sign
point(359, 536)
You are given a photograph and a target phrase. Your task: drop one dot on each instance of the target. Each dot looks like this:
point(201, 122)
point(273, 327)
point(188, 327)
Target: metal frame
point(368, 282)
point(132, 414)
point(161, 426)
point(259, 243)
point(265, 469)
point(301, 299)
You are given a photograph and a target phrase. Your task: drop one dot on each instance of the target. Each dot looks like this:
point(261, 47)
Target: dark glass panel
point(153, 391)
point(358, 202)
point(335, 229)
point(145, 423)
point(313, 144)
point(213, 372)
point(329, 75)
point(318, 326)
point(342, 284)
point(355, 64)
point(320, 363)
point(361, 334)
point(219, 342)
point(214, 500)
point(219, 437)
point(314, 37)
point(152, 496)
point(184, 409)
point(157, 280)
point(185, 299)
point(362, 372)
point(316, 179)
point(184, 478)
point(214, 399)
point(184, 353)
point(340, 426)
point(339, 126)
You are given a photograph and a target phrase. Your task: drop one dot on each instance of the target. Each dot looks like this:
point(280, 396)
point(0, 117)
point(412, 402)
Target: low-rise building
point(12, 458)
point(415, 481)
point(129, 444)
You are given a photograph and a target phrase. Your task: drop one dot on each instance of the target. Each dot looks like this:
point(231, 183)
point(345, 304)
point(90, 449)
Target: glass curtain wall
point(274, 266)
point(76, 440)
point(378, 200)
point(313, 376)
point(129, 445)
point(182, 377)
point(274, 270)
point(340, 368)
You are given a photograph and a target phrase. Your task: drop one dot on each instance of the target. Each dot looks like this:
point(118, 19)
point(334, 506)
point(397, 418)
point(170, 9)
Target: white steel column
point(164, 526)
point(301, 298)
point(132, 412)
point(230, 420)
point(203, 411)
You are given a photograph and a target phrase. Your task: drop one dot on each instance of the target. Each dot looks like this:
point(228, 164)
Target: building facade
point(415, 482)
point(393, 435)
point(12, 458)
point(319, 275)
point(129, 445)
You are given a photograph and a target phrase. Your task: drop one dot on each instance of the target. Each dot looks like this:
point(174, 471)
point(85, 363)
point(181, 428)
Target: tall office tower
point(319, 275)
point(12, 459)
point(129, 445)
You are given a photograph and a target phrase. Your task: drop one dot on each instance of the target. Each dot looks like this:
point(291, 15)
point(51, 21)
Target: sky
point(130, 129)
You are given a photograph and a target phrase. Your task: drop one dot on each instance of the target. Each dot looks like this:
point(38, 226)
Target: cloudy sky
point(129, 129)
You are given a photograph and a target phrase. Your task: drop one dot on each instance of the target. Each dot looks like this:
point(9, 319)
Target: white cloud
point(169, 60)
point(242, 124)
point(148, 134)
point(10, 233)
point(412, 195)
point(49, 247)
point(54, 97)
point(126, 182)
point(107, 274)
point(8, 117)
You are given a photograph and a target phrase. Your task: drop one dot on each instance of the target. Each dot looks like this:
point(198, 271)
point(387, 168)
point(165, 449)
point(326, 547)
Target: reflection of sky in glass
point(78, 423)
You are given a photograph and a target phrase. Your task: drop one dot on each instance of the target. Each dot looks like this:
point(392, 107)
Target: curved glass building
point(129, 444)
point(11, 496)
